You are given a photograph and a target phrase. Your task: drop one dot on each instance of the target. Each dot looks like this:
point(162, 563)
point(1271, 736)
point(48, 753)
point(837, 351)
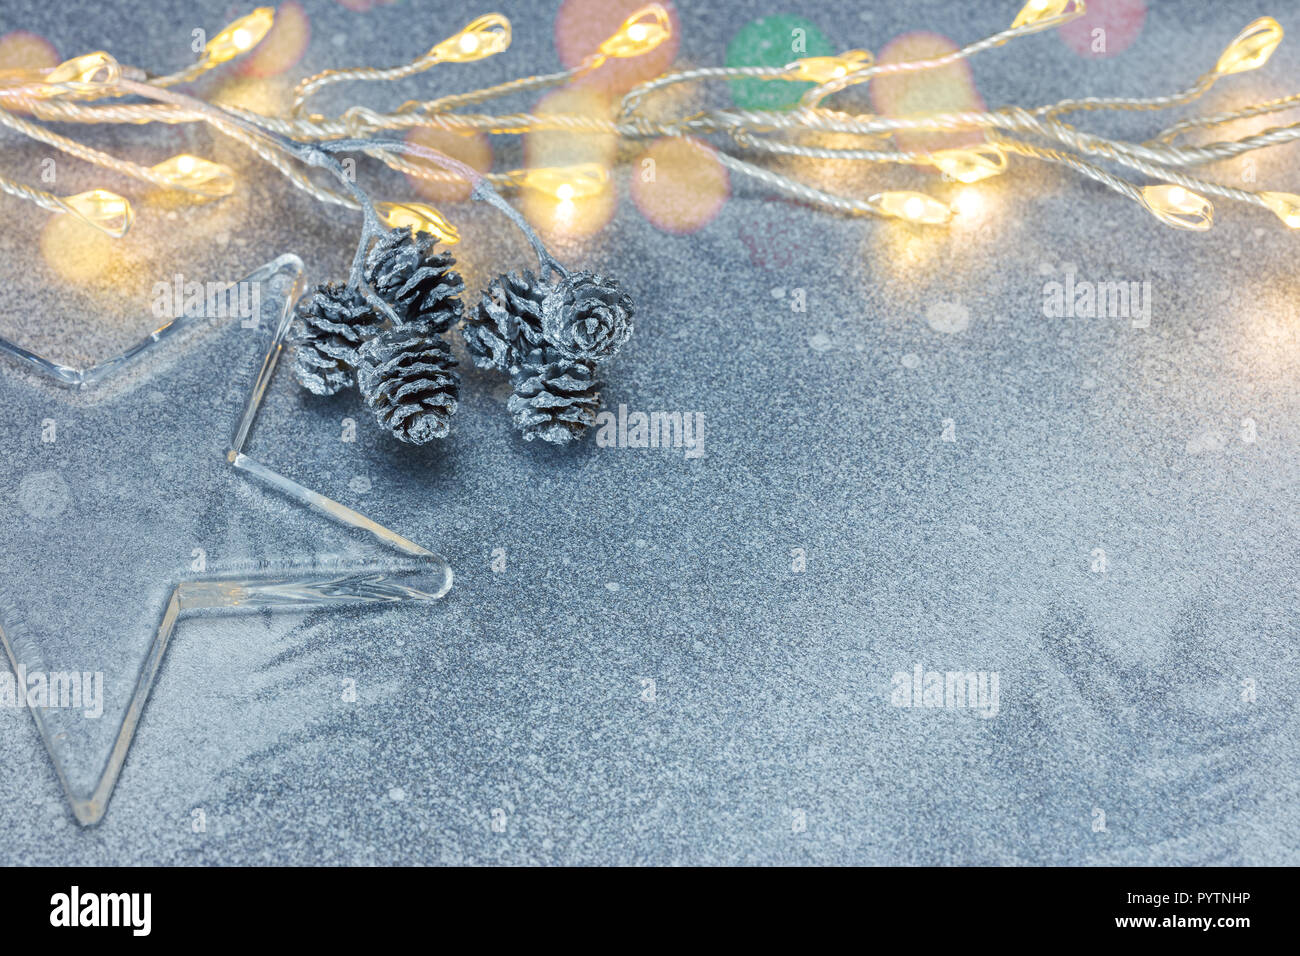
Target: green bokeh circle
point(770, 41)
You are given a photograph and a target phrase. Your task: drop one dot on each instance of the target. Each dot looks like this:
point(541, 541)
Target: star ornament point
point(122, 518)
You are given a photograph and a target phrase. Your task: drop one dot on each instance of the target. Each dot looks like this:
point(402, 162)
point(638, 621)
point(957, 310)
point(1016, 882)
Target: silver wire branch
point(1171, 133)
point(314, 83)
point(527, 83)
point(41, 198)
point(798, 190)
point(1121, 186)
point(634, 97)
point(371, 228)
point(482, 189)
point(1201, 86)
point(815, 96)
point(83, 152)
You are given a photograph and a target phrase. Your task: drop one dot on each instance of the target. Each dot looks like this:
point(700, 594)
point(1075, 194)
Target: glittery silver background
point(767, 734)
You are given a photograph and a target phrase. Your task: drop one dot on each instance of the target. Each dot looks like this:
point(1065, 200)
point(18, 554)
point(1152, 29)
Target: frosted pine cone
point(508, 321)
point(587, 317)
point(419, 286)
point(331, 323)
point(405, 376)
point(555, 398)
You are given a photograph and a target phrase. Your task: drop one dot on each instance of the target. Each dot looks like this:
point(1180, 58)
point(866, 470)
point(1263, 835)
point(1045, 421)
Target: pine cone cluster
point(549, 336)
point(401, 366)
point(546, 332)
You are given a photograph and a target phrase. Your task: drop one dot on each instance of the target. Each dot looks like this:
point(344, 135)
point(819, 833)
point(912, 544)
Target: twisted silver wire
point(798, 190)
point(523, 84)
point(311, 84)
point(1090, 170)
point(828, 152)
point(1201, 86)
point(41, 198)
point(83, 152)
point(815, 96)
point(1157, 158)
point(634, 97)
point(1218, 119)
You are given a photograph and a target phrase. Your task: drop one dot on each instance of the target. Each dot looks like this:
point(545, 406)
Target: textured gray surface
point(523, 690)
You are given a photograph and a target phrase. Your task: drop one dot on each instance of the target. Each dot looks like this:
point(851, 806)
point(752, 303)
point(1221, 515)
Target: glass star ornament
point(124, 512)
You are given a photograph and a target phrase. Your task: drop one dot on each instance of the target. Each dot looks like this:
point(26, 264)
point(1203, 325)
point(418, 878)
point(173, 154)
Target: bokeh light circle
point(281, 48)
point(562, 147)
point(943, 90)
point(679, 185)
point(582, 26)
point(571, 216)
point(562, 219)
point(77, 251)
point(362, 6)
point(474, 150)
point(1107, 27)
point(773, 41)
point(21, 50)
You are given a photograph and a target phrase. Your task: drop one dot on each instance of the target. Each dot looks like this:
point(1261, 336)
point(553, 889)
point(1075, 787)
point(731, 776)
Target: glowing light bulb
point(640, 33)
point(914, 207)
point(970, 164)
point(1251, 48)
point(108, 212)
point(566, 182)
point(240, 36)
point(197, 175)
point(1044, 13)
point(418, 217)
point(968, 204)
point(82, 74)
point(823, 69)
point(1286, 206)
point(1178, 207)
point(481, 38)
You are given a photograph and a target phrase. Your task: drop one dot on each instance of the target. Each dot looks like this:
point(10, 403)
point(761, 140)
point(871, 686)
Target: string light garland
point(90, 89)
point(484, 37)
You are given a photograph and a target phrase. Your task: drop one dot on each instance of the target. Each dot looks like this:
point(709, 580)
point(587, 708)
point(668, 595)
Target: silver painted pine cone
point(555, 398)
point(587, 317)
point(331, 323)
point(406, 377)
point(419, 285)
point(508, 321)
